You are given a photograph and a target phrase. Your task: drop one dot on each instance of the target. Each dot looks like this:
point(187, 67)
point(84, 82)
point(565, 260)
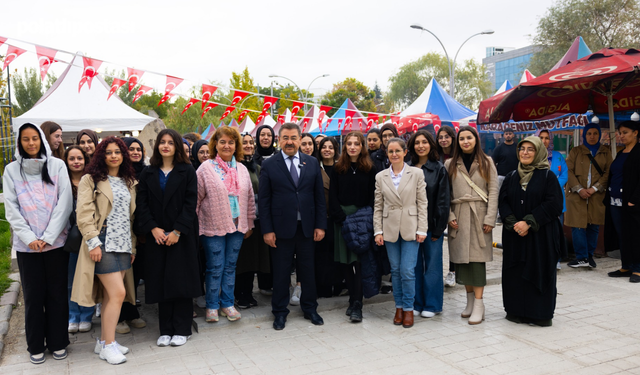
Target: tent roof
point(435, 100)
point(87, 109)
point(332, 129)
point(247, 125)
point(313, 114)
point(506, 85)
point(577, 51)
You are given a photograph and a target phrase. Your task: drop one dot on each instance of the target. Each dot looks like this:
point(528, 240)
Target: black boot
point(349, 309)
point(356, 313)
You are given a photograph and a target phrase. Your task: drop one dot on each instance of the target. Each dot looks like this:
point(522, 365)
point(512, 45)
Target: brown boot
point(407, 319)
point(397, 320)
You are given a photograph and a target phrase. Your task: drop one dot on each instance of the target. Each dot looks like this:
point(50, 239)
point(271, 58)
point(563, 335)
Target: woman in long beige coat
point(474, 207)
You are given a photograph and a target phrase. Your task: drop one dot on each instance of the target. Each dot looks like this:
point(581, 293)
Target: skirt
point(472, 274)
point(111, 261)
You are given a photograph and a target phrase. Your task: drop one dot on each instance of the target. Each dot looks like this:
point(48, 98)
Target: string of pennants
point(47, 57)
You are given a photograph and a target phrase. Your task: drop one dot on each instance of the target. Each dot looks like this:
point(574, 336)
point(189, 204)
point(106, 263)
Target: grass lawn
point(5, 252)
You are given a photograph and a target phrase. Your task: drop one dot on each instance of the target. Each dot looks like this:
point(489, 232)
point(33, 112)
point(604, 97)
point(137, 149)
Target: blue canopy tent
point(341, 114)
point(436, 101)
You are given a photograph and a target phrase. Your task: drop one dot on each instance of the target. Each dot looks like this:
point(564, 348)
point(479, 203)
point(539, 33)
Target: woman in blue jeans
point(429, 283)
point(400, 222)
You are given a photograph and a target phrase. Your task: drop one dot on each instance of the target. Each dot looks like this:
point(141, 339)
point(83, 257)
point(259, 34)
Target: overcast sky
point(204, 41)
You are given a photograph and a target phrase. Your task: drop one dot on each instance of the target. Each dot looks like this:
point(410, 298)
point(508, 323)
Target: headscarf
point(388, 127)
point(539, 161)
point(261, 150)
point(550, 148)
point(593, 148)
point(90, 133)
point(195, 148)
point(138, 166)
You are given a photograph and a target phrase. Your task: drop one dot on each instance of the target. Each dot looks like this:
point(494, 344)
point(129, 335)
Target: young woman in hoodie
point(38, 202)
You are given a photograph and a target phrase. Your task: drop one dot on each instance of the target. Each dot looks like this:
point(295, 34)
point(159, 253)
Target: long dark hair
point(484, 164)
point(336, 148)
point(49, 127)
point(364, 161)
point(74, 189)
point(98, 166)
point(41, 152)
point(180, 156)
point(314, 153)
point(452, 133)
point(433, 153)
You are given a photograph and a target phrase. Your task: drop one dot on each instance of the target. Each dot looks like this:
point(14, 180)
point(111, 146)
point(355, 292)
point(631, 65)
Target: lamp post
point(302, 95)
point(452, 67)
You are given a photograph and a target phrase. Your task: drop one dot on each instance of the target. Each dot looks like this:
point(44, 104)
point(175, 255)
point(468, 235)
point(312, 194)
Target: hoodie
point(37, 210)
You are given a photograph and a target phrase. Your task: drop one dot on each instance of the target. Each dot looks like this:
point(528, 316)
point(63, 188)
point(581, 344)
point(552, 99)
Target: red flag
point(348, 120)
point(371, 119)
point(243, 114)
point(91, 67)
point(191, 102)
point(260, 117)
point(46, 57)
point(361, 124)
point(384, 118)
point(117, 83)
point(2, 40)
point(207, 91)
point(296, 107)
point(134, 77)
point(323, 111)
point(281, 119)
point(340, 124)
point(305, 122)
point(172, 83)
point(328, 123)
point(226, 113)
point(395, 120)
point(12, 53)
point(238, 96)
point(268, 102)
point(143, 90)
point(208, 108)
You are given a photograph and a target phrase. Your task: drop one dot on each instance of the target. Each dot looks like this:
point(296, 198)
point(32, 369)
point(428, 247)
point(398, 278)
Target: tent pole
point(612, 125)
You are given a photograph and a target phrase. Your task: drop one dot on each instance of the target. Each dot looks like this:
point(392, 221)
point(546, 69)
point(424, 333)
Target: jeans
point(77, 313)
point(429, 283)
point(616, 217)
point(403, 256)
point(221, 254)
point(585, 240)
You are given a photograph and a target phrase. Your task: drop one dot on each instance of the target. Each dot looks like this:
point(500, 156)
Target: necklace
point(354, 169)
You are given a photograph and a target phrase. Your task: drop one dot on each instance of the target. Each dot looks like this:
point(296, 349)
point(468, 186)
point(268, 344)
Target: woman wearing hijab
point(87, 139)
point(264, 147)
point(588, 169)
point(200, 153)
point(530, 203)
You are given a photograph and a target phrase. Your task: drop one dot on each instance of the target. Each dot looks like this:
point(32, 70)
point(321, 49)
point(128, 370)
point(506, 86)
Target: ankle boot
point(407, 319)
point(397, 320)
point(356, 312)
point(469, 309)
point(349, 309)
point(477, 316)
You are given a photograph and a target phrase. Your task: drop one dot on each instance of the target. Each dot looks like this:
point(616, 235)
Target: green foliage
point(190, 121)
point(27, 89)
point(286, 94)
point(361, 96)
point(244, 82)
point(5, 251)
point(601, 23)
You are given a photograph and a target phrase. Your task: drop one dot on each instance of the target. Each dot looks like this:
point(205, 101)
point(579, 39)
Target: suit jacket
point(401, 212)
point(280, 200)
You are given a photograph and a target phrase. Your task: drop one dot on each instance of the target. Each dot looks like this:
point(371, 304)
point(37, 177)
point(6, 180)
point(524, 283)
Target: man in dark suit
point(293, 216)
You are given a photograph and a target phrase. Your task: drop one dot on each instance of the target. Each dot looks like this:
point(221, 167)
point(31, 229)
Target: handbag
point(74, 237)
point(475, 187)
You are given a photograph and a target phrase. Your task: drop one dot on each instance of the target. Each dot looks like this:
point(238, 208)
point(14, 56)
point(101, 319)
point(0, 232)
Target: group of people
point(200, 219)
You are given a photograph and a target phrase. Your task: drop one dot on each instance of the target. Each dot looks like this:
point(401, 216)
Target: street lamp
point(452, 67)
point(302, 95)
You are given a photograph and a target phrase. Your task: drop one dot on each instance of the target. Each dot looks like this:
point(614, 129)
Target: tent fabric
point(87, 109)
point(506, 86)
point(435, 100)
point(526, 76)
point(267, 120)
point(577, 51)
point(312, 114)
point(247, 125)
point(332, 129)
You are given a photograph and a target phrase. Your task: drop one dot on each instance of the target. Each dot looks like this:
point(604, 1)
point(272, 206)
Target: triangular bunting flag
point(143, 90)
point(191, 102)
point(209, 107)
point(117, 83)
point(134, 77)
point(295, 108)
point(207, 91)
point(242, 114)
point(91, 67)
point(227, 112)
point(237, 97)
point(172, 83)
point(12, 53)
point(46, 57)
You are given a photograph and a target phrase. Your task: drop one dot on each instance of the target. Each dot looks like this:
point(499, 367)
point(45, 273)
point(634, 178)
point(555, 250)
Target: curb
point(8, 302)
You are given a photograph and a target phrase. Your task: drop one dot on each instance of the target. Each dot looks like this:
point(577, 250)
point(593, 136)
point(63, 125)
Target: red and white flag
point(191, 102)
point(371, 120)
point(117, 83)
point(395, 120)
point(12, 53)
point(323, 111)
point(143, 90)
point(305, 122)
point(46, 57)
point(280, 119)
point(295, 108)
point(227, 112)
point(243, 114)
point(134, 77)
point(207, 92)
point(209, 107)
point(237, 97)
point(328, 123)
point(91, 67)
point(2, 40)
point(340, 124)
point(348, 120)
point(269, 101)
point(172, 83)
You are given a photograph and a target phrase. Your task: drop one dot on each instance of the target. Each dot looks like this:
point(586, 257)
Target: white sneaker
point(295, 296)
point(164, 340)
point(416, 312)
point(100, 345)
point(558, 266)
point(450, 281)
point(84, 327)
point(98, 307)
point(427, 314)
point(112, 354)
point(73, 328)
point(201, 302)
point(178, 340)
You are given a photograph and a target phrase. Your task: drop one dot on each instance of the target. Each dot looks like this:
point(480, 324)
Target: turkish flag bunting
point(243, 114)
point(260, 117)
point(361, 124)
point(304, 124)
point(340, 124)
point(91, 67)
point(349, 113)
point(281, 119)
point(207, 92)
point(371, 119)
point(323, 111)
point(2, 40)
point(143, 90)
point(395, 120)
point(384, 118)
point(117, 83)
point(172, 83)
point(227, 112)
point(328, 123)
point(191, 102)
point(209, 106)
point(12, 53)
point(46, 57)
point(134, 77)
point(296, 107)
point(238, 96)
point(268, 102)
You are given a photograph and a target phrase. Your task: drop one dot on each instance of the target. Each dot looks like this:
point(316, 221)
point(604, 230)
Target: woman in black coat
point(530, 205)
point(166, 214)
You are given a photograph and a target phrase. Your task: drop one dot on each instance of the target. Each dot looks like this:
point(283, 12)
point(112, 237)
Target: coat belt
point(472, 204)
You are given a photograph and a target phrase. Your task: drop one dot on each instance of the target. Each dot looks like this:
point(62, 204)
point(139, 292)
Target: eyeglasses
point(527, 150)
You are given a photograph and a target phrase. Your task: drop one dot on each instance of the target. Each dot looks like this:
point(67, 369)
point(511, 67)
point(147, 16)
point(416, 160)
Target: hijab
point(540, 161)
point(138, 166)
point(90, 133)
point(593, 148)
point(550, 148)
point(197, 145)
point(261, 150)
point(386, 127)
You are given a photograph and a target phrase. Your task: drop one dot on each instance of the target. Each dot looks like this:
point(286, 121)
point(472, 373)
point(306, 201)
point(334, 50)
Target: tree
point(287, 95)
point(601, 23)
point(27, 89)
point(244, 82)
point(361, 96)
point(471, 81)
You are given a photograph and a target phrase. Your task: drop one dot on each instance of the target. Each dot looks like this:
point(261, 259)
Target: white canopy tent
point(87, 109)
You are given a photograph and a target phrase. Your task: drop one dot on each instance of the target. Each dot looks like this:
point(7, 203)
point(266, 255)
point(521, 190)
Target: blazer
point(401, 212)
point(280, 200)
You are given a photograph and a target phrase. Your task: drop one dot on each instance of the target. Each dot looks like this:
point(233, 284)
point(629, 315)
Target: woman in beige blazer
point(400, 222)
point(474, 207)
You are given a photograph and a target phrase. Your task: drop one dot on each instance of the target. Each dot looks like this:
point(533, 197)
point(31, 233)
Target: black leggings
point(353, 277)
